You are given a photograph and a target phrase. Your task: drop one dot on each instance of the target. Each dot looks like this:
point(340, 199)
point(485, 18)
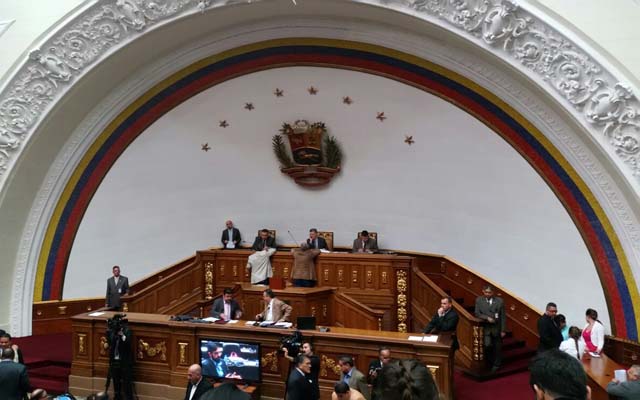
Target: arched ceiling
point(109, 53)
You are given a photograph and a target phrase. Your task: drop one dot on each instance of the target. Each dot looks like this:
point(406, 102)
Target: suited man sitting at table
point(444, 320)
point(275, 309)
point(225, 307)
point(364, 243)
point(315, 241)
point(626, 390)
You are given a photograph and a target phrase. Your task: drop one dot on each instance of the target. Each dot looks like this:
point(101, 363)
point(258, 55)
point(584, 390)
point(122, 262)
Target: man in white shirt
point(197, 384)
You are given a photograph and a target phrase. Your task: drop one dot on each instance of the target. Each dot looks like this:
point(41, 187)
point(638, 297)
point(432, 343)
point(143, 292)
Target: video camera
point(292, 343)
point(117, 322)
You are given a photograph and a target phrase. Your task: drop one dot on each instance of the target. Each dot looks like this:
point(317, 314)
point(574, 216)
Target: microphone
point(294, 239)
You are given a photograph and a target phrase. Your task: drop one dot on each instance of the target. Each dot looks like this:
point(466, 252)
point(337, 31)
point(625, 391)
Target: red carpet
point(512, 387)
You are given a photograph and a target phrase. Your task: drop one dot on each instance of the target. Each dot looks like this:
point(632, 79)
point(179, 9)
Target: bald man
point(231, 236)
point(197, 384)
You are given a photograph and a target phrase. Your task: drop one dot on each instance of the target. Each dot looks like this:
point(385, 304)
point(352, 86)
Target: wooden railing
point(466, 285)
point(426, 299)
point(350, 313)
point(54, 316)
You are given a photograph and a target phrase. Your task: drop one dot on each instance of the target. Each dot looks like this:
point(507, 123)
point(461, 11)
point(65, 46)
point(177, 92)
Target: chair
point(372, 235)
point(328, 237)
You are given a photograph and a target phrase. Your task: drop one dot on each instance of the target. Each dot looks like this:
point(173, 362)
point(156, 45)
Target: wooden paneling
point(349, 313)
point(180, 340)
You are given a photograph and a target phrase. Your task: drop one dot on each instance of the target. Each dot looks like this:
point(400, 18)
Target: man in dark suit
point(225, 307)
point(14, 382)
point(6, 343)
point(364, 244)
point(231, 236)
point(550, 335)
point(444, 320)
point(490, 309)
point(117, 286)
point(197, 384)
point(350, 375)
point(315, 241)
point(299, 385)
point(263, 241)
point(375, 366)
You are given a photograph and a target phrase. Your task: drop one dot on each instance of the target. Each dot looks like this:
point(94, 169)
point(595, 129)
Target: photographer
point(120, 357)
point(375, 366)
point(307, 350)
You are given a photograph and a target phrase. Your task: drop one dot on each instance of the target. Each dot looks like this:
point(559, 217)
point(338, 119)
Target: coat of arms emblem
point(313, 157)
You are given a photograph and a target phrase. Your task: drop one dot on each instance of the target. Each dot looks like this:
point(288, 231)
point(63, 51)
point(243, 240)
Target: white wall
point(460, 190)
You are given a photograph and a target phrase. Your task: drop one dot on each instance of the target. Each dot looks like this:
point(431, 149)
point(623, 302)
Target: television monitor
point(227, 360)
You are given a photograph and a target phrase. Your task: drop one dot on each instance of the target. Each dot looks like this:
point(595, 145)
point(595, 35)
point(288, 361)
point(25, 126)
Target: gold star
point(312, 90)
point(279, 92)
point(248, 106)
point(224, 123)
point(409, 140)
point(381, 116)
point(347, 100)
point(205, 147)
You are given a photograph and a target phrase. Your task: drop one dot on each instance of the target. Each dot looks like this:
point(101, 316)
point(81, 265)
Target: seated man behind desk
point(231, 237)
point(444, 320)
point(260, 262)
point(275, 309)
point(364, 244)
point(315, 241)
point(225, 307)
point(628, 390)
point(303, 273)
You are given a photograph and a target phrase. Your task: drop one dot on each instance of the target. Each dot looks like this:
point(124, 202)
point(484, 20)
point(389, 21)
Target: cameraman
point(375, 366)
point(307, 350)
point(120, 360)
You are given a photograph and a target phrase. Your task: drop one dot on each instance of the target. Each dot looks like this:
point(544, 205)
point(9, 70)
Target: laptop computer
point(306, 323)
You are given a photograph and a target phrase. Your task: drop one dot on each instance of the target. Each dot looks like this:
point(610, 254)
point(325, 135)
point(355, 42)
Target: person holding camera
point(314, 374)
point(375, 366)
point(120, 357)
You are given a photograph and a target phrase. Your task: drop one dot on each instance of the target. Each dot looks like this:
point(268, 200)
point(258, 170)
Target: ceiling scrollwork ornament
point(609, 107)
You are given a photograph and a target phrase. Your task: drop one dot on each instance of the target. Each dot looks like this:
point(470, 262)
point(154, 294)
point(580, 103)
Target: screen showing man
point(230, 360)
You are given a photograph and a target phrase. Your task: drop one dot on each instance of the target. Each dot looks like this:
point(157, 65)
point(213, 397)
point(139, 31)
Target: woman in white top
point(593, 333)
point(573, 346)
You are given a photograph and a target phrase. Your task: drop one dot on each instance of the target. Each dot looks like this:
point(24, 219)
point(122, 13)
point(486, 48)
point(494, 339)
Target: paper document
point(96, 314)
point(250, 322)
point(231, 245)
point(594, 355)
point(210, 319)
point(233, 321)
point(426, 338)
point(620, 374)
point(324, 251)
point(283, 324)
